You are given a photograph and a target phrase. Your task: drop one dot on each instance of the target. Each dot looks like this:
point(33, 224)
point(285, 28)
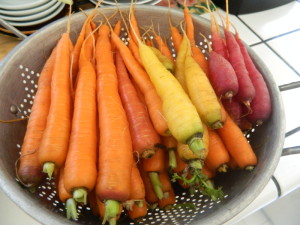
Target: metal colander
point(19, 74)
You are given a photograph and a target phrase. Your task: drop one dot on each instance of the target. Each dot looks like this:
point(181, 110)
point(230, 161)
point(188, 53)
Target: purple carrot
point(246, 91)
point(261, 104)
point(222, 76)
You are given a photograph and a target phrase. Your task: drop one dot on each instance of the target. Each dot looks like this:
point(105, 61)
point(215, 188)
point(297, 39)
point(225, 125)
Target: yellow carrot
point(181, 115)
point(202, 93)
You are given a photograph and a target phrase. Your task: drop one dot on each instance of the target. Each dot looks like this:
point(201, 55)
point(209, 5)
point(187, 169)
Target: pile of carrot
point(116, 124)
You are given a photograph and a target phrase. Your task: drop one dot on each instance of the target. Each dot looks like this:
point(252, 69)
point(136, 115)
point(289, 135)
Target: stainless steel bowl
point(18, 78)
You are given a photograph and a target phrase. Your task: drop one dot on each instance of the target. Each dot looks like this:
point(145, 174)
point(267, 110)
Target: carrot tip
point(71, 209)
point(80, 195)
point(223, 168)
point(216, 125)
point(112, 208)
point(196, 145)
point(156, 184)
point(172, 159)
point(48, 168)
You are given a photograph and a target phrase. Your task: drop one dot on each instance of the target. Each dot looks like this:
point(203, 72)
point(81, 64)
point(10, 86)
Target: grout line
point(293, 131)
point(268, 216)
point(276, 53)
point(277, 186)
point(280, 35)
point(265, 42)
point(257, 43)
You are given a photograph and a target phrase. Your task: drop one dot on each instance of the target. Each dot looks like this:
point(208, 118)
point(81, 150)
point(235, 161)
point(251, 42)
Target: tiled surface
point(280, 45)
point(281, 72)
point(274, 22)
point(275, 36)
point(285, 211)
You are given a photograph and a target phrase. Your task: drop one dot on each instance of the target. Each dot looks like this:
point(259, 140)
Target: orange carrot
point(77, 48)
point(134, 50)
point(169, 201)
point(144, 136)
point(115, 151)
point(117, 30)
point(237, 145)
point(151, 196)
point(30, 170)
point(154, 166)
point(134, 28)
point(181, 165)
point(153, 101)
point(171, 145)
point(165, 183)
point(218, 156)
point(137, 194)
point(80, 165)
point(209, 173)
point(163, 48)
point(196, 52)
point(55, 141)
point(155, 163)
point(176, 37)
point(137, 211)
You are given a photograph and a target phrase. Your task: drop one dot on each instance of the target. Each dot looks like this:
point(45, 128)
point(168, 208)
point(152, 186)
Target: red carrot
point(261, 104)
point(246, 91)
point(144, 136)
point(153, 101)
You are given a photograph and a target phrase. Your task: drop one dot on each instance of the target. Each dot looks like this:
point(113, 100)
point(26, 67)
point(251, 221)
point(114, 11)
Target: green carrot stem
point(48, 168)
point(71, 209)
point(172, 159)
point(195, 164)
point(80, 195)
point(196, 144)
point(112, 209)
point(156, 184)
point(217, 125)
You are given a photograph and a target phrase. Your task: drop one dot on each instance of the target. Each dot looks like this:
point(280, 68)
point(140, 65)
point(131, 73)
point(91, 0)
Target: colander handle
point(290, 151)
point(289, 86)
